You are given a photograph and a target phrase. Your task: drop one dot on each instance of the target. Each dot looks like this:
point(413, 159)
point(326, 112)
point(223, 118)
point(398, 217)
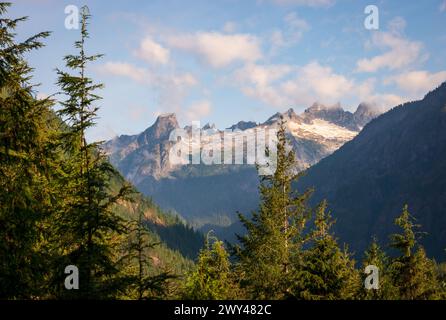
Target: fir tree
point(270, 250)
point(89, 225)
point(24, 194)
point(374, 255)
point(413, 273)
point(212, 278)
point(141, 284)
point(328, 273)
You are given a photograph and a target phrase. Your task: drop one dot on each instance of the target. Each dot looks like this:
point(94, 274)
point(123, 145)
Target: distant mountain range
point(398, 158)
point(209, 196)
point(366, 165)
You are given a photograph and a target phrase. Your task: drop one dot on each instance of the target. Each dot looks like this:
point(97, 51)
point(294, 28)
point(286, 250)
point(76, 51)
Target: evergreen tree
point(212, 278)
point(270, 250)
point(24, 157)
point(328, 273)
point(374, 255)
point(88, 226)
point(140, 283)
point(413, 273)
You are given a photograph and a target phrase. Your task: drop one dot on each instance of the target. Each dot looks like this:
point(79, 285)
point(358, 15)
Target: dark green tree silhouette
point(24, 158)
point(212, 278)
point(413, 273)
point(328, 273)
point(374, 255)
point(88, 225)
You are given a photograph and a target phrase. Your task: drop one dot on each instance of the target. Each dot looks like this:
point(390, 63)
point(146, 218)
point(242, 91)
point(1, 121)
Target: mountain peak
point(208, 126)
point(166, 117)
point(317, 108)
point(290, 113)
point(367, 108)
point(365, 112)
point(162, 127)
point(243, 125)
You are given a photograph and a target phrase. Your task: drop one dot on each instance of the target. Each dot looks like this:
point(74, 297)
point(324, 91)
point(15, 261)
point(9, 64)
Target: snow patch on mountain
point(321, 128)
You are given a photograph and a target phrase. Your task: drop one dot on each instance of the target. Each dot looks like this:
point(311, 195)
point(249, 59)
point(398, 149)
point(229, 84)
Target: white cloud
point(144, 76)
point(402, 52)
point(261, 75)
point(417, 83)
point(443, 6)
point(125, 70)
point(152, 52)
point(325, 84)
point(217, 49)
point(198, 110)
point(301, 86)
point(306, 3)
point(365, 91)
point(282, 86)
point(170, 88)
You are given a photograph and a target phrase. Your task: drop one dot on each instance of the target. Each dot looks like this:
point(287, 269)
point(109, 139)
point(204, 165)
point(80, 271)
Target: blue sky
point(228, 60)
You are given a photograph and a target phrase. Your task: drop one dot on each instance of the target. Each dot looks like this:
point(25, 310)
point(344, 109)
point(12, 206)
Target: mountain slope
point(398, 158)
point(178, 245)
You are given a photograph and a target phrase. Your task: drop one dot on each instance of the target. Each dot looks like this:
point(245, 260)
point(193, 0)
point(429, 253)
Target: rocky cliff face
point(146, 154)
point(335, 114)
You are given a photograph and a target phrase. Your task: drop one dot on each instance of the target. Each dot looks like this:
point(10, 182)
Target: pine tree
point(140, 283)
point(270, 250)
point(374, 255)
point(24, 194)
point(212, 278)
point(328, 273)
point(413, 273)
point(88, 227)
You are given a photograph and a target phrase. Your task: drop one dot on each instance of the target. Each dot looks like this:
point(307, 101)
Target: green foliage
point(280, 256)
point(24, 158)
point(275, 233)
point(141, 284)
point(61, 202)
point(87, 224)
point(374, 255)
point(413, 273)
point(212, 278)
point(327, 273)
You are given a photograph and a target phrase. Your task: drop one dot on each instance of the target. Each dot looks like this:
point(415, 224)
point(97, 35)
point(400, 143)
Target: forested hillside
point(166, 227)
